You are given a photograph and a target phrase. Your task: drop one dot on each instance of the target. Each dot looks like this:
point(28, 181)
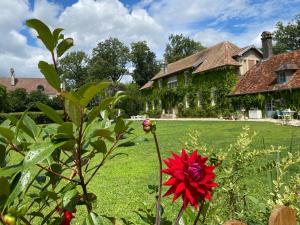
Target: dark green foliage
point(287, 37)
point(73, 69)
point(180, 46)
point(109, 60)
point(17, 100)
point(35, 97)
point(144, 61)
point(134, 102)
point(3, 98)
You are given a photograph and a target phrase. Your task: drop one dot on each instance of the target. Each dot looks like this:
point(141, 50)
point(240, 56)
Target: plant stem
point(79, 166)
point(179, 215)
point(199, 213)
point(44, 168)
point(103, 160)
point(158, 206)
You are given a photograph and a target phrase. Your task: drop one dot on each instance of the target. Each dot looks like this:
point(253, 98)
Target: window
point(281, 78)
point(199, 96)
point(159, 83)
point(213, 96)
point(186, 78)
point(172, 82)
point(40, 88)
point(270, 106)
point(238, 107)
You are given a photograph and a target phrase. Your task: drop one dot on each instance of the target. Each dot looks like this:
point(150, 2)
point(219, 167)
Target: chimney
point(266, 40)
point(165, 66)
point(12, 77)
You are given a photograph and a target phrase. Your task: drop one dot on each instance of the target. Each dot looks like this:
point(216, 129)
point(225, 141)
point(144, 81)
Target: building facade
point(12, 83)
point(199, 85)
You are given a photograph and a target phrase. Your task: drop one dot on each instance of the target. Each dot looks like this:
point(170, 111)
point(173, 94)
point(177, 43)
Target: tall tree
point(144, 61)
point(109, 60)
point(287, 37)
point(73, 68)
point(180, 46)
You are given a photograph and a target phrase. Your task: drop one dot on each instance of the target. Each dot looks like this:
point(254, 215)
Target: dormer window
point(285, 72)
point(281, 78)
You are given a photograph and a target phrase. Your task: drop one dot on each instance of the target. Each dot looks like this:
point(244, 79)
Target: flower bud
point(147, 125)
point(9, 220)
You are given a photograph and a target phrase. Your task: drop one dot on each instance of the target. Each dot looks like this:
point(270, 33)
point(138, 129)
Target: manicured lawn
point(122, 184)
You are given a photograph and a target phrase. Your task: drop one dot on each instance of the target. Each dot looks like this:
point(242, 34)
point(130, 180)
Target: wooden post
point(282, 215)
point(234, 222)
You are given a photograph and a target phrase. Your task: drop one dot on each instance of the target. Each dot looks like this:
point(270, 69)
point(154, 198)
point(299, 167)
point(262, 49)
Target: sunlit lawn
point(122, 184)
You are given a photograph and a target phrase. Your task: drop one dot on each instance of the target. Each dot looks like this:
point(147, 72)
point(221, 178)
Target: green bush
point(38, 117)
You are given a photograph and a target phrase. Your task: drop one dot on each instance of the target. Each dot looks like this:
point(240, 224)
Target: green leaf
point(7, 133)
point(19, 188)
point(74, 111)
point(50, 74)
point(31, 125)
point(63, 46)
point(10, 170)
point(50, 113)
point(91, 92)
point(105, 133)
point(5, 187)
point(39, 152)
point(70, 200)
point(93, 219)
point(56, 34)
point(66, 128)
point(44, 33)
point(100, 146)
point(120, 126)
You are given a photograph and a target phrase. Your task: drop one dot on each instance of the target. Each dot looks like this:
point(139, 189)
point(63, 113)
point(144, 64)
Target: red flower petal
point(190, 178)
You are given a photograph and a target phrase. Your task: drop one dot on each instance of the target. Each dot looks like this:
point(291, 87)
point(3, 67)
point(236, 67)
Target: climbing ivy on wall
point(222, 80)
point(282, 99)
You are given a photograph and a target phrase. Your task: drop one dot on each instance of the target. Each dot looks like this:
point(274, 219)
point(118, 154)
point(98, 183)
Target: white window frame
point(281, 78)
point(270, 106)
point(186, 78)
point(213, 91)
point(160, 84)
point(172, 82)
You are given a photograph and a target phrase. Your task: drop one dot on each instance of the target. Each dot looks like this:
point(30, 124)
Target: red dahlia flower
point(147, 125)
point(190, 178)
point(68, 216)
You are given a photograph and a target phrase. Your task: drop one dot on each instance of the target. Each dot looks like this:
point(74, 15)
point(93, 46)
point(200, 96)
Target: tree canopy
point(287, 37)
point(109, 60)
point(144, 62)
point(180, 46)
point(73, 67)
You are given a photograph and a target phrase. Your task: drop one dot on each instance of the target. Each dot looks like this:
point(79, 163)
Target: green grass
point(122, 184)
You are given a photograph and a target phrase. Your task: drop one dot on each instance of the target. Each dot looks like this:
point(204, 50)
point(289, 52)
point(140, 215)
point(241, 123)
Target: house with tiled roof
point(198, 85)
point(12, 83)
point(272, 84)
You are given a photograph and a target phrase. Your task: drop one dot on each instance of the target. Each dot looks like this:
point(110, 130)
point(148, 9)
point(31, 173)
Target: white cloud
point(90, 21)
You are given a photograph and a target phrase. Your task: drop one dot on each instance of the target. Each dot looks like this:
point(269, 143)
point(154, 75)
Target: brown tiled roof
point(241, 51)
point(147, 85)
point(29, 84)
point(263, 78)
point(207, 59)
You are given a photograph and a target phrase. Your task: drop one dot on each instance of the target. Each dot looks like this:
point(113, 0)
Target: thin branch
point(45, 168)
point(103, 160)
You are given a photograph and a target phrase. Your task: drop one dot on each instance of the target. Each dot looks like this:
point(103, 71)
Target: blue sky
point(90, 21)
